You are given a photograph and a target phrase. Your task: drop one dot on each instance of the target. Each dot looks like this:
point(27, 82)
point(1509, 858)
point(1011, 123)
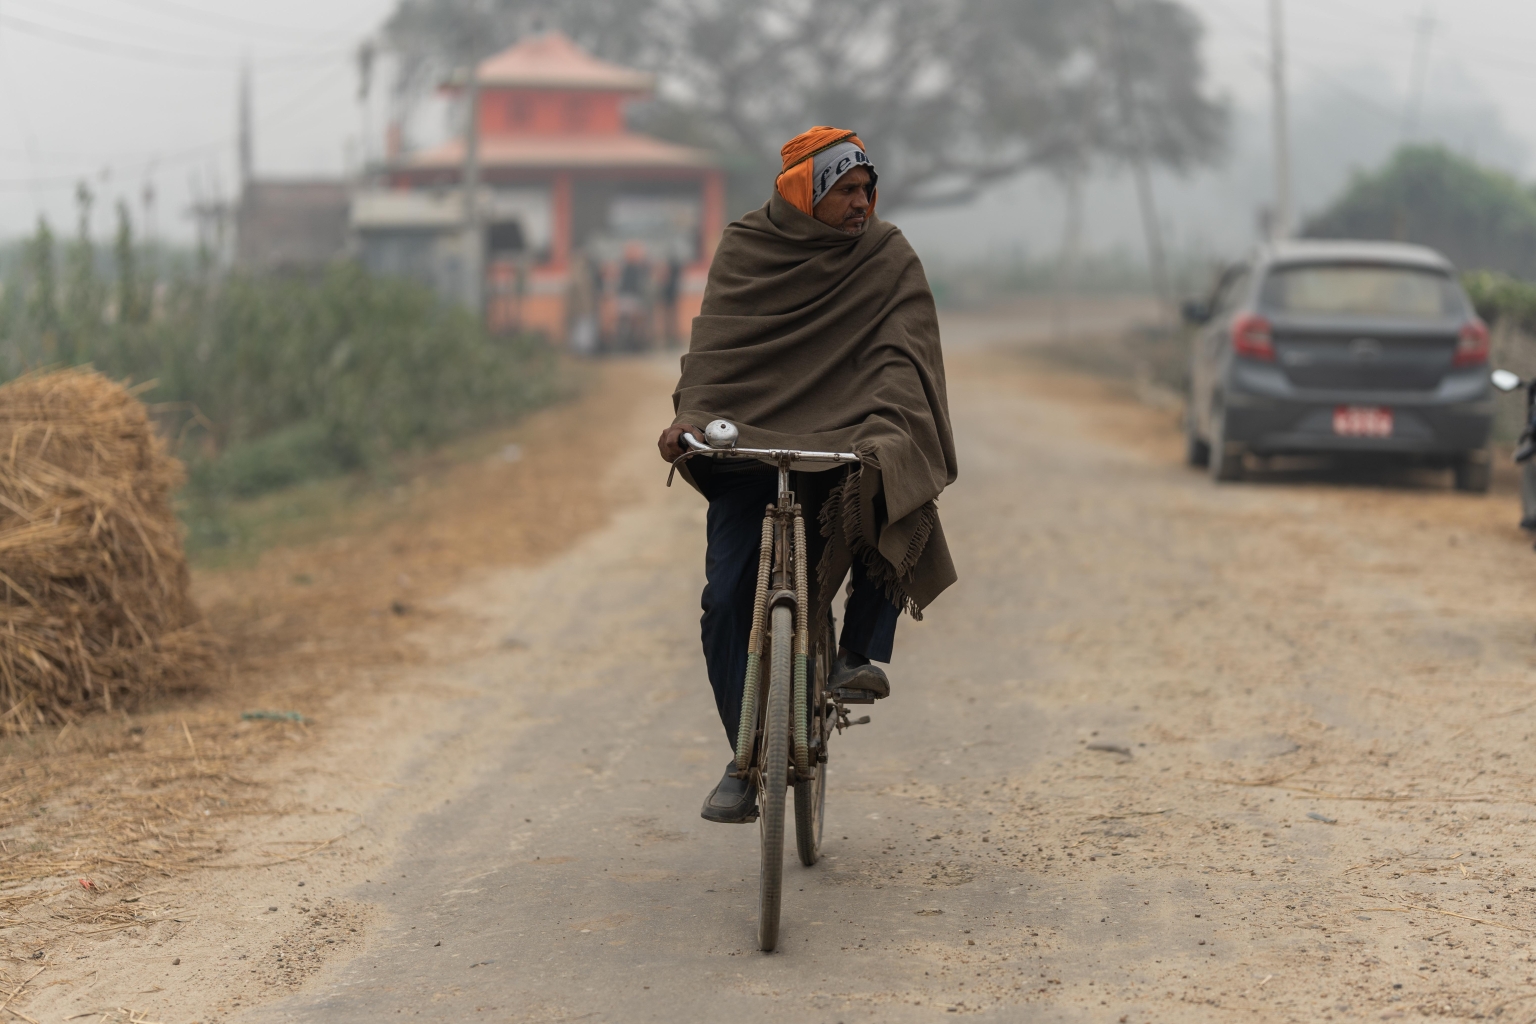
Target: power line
point(1326, 75)
point(1330, 41)
point(193, 15)
point(191, 153)
point(21, 115)
point(129, 50)
point(133, 51)
point(1482, 51)
point(43, 183)
point(122, 24)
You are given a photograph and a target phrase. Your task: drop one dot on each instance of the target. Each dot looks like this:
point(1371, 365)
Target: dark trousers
point(738, 493)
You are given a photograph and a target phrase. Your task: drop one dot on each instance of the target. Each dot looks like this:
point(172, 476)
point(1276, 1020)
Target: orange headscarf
point(795, 184)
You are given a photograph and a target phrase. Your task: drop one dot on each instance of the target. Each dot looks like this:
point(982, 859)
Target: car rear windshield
point(1363, 290)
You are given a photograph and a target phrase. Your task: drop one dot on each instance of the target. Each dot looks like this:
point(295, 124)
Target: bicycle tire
point(811, 795)
point(775, 778)
point(810, 809)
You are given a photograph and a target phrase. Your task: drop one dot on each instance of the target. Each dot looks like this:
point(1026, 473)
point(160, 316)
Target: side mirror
point(1504, 380)
point(1195, 312)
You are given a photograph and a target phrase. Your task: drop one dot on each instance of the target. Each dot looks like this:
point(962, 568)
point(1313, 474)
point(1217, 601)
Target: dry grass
point(132, 800)
point(97, 611)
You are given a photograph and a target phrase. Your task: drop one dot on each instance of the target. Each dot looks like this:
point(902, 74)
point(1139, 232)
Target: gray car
point(1342, 347)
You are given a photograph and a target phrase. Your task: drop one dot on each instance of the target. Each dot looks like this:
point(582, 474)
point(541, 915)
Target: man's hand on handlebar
point(671, 443)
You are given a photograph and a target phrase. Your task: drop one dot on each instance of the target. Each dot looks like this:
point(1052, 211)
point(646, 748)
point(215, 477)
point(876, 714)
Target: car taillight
point(1471, 344)
point(1251, 337)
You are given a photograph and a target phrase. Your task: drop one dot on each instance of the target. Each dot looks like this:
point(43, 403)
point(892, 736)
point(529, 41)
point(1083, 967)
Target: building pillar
point(562, 219)
point(714, 215)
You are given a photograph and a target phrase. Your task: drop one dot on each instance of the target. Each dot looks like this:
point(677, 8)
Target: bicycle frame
point(774, 748)
point(782, 578)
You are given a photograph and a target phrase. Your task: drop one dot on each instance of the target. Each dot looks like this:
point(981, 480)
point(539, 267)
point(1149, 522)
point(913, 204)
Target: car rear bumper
point(1456, 418)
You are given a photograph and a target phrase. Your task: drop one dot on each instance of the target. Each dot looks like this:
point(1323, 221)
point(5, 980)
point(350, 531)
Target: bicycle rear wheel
point(775, 777)
point(810, 809)
point(811, 794)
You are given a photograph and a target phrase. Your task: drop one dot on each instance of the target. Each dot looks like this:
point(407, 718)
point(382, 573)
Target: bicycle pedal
point(853, 696)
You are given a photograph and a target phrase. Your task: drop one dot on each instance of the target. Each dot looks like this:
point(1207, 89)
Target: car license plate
point(1362, 421)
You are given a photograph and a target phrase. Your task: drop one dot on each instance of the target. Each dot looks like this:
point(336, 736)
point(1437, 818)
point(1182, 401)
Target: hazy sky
point(135, 91)
point(1350, 63)
point(1490, 39)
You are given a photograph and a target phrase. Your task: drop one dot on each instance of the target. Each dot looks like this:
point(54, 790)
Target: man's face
point(846, 204)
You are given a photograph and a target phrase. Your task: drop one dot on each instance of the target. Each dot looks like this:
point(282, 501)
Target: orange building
point(577, 209)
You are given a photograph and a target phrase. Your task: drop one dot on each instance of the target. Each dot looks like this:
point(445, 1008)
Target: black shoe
point(1528, 523)
point(859, 680)
point(732, 802)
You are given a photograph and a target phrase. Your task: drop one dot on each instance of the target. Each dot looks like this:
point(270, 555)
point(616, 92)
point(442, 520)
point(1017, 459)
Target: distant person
point(666, 299)
point(1528, 495)
point(583, 295)
point(1525, 456)
point(634, 300)
point(818, 332)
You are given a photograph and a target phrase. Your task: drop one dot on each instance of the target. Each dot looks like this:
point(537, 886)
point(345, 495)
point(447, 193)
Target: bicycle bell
point(721, 434)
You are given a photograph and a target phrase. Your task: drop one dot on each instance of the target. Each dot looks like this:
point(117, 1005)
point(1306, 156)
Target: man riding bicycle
point(818, 332)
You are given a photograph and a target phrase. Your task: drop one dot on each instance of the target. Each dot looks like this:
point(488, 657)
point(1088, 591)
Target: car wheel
point(1196, 451)
point(1225, 459)
point(1474, 472)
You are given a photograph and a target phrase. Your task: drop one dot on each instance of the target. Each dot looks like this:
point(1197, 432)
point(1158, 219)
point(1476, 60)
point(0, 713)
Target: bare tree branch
point(951, 95)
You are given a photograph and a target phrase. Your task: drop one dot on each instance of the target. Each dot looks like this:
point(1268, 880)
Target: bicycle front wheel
point(775, 777)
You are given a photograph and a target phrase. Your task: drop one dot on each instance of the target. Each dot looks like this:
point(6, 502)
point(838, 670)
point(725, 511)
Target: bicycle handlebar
point(784, 458)
point(773, 454)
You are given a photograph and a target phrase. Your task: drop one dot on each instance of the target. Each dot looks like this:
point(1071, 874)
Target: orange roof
point(624, 149)
point(552, 61)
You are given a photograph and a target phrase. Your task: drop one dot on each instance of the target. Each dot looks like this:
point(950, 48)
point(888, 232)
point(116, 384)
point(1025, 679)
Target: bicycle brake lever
point(675, 463)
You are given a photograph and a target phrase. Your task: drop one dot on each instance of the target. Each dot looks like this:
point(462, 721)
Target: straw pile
point(95, 611)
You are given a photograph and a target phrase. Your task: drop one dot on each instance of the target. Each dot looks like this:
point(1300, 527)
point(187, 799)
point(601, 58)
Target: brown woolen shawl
point(815, 339)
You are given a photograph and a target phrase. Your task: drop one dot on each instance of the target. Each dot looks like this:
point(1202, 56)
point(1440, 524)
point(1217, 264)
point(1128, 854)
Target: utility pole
point(1280, 222)
point(151, 233)
point(1418, 70)
point(246, 130)
point(1071, 180)
point(366, 54)
point(474, 230)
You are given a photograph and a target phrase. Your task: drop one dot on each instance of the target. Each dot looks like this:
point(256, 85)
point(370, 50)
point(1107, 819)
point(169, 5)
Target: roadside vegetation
point(263, 383)
point(1500, 298)
point(1480, 218)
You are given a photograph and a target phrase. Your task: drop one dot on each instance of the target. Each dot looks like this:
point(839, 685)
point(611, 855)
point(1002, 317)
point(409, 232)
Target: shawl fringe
point(843, 527)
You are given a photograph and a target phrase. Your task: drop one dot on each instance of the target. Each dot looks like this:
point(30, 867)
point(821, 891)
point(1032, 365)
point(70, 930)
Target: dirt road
point(1168, 752)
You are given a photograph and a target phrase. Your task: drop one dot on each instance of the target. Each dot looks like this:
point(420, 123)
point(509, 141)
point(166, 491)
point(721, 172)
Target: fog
point(130, 92)
point(1350, 66)
point(136, 92)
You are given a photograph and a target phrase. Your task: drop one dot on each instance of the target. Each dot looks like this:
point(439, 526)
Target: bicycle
point(783, 733)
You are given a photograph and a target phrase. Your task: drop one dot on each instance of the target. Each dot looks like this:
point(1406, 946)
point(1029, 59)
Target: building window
point(576, 113)
point(505, 237)
point(521, 111)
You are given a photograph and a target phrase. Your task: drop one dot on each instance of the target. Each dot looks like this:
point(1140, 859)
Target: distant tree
point(1478, 217)
point(42, 288)
point(83, 297)
point(132, 300)
point(951, 94)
